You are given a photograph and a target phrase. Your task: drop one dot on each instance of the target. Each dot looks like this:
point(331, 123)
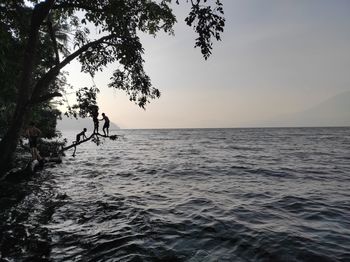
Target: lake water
point(279, 194)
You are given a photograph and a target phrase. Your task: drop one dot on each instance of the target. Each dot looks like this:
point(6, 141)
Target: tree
point(14, 27)
point(118, 23)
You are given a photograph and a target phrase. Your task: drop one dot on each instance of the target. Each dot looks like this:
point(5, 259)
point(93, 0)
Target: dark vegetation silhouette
point(34, 52)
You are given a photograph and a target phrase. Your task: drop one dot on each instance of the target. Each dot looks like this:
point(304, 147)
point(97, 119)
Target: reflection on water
point(188, 195)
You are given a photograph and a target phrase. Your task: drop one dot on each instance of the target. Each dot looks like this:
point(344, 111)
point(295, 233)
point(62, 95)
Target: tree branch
point(46, 97)
point(79, 6)
point(113, 137)
point(40, 12)
point(53, 39)
point(76, 144)
point(53, 72)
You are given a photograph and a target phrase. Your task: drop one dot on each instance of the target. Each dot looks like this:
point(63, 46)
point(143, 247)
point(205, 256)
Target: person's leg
point(32, 151)
point(38, 156)
point(32, 145)
point(96, 131)
point(95, 127)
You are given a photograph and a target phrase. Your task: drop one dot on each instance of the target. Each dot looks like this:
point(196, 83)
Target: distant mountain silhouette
point(78, 124)
point(334, 111)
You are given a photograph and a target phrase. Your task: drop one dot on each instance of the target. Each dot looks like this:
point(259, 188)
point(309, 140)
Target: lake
point(255, 194)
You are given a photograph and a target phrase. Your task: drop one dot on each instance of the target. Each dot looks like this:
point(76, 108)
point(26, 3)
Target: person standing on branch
point(95, 119)
point(105, 125)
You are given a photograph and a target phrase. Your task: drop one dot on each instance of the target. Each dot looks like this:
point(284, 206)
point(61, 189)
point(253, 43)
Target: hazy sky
point(276, 57)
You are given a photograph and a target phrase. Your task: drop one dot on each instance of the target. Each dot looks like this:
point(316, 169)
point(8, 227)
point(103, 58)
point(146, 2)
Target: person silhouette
point(106, 124)
point(33, 133)
point(95, 119)
point(81, 135)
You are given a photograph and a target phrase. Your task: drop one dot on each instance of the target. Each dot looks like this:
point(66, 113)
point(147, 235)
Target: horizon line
point(246, 127)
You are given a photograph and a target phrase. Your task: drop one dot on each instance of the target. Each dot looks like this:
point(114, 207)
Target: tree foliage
point(117, 23)
point(35, 34)
point(14, 26)
point(86, 104)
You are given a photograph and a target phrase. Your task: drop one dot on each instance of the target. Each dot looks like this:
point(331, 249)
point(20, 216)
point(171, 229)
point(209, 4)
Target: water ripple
point(187, 195)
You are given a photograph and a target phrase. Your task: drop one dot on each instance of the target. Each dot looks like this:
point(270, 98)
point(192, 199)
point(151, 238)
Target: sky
point(276, 57)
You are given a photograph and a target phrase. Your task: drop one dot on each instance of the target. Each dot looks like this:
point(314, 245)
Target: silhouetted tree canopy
point(14, 26)
point(35, 35)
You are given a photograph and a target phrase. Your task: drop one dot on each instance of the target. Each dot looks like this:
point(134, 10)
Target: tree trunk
point(9, 142)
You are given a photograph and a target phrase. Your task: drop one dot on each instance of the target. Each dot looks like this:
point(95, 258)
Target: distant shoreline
point(202, 128)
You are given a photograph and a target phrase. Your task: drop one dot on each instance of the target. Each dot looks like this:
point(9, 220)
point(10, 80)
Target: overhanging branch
point(77, 6)
point(46, 79)
point(74, 145)
point(46, 97)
